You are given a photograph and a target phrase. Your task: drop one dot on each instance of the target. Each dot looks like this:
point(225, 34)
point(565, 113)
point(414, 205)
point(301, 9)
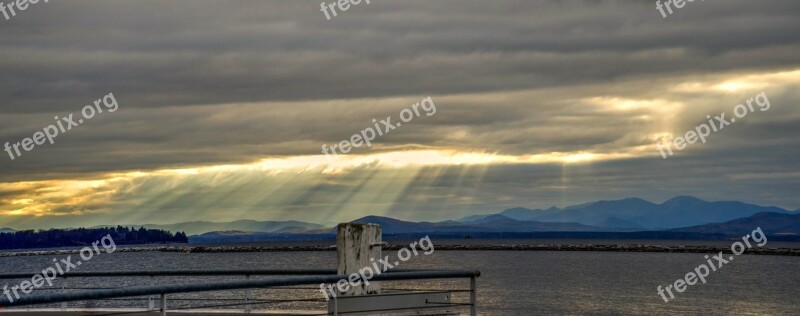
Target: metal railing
point(298, 277)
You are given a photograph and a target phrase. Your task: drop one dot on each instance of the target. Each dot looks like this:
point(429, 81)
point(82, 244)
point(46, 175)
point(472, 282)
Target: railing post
point(163, 304)
point(247, 307)
point(356, 244)
point(473, 296)
point(64, 289)
point(335, 306)
point(151, 304)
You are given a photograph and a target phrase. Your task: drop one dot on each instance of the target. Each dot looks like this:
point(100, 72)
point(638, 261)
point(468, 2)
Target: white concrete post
point(163, 304)
point(247, 308)
point(356, 244)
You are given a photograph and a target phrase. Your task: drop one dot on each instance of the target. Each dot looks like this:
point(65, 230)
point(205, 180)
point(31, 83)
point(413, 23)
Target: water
point(512, 282)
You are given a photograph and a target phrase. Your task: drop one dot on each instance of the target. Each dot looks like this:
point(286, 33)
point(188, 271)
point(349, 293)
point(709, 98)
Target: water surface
point(512, 282)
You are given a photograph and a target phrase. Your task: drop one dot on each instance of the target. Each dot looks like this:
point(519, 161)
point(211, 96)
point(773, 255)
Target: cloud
point(232, 83)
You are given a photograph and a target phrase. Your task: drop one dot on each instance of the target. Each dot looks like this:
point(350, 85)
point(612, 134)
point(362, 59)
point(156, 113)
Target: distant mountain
point(524, 214)
point(517, 213)
point(473, 218)
point(770, 223)
point(617, 223)
point(297, 230)
point(681, 216)
point(494, 218)
point(786, 225)
point(631, 210)
point(493, 223)
point(507, 224)
point(638, 214)
point(7, 230)
point(200, 227)
point(390, 225)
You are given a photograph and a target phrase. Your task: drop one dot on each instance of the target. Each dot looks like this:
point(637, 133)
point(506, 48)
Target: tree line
point(86, 236)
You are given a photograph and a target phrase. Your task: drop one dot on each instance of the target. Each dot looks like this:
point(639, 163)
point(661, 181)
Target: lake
point(512, 282)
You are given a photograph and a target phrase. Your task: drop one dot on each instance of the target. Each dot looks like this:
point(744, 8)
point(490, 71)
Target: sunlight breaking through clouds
point(446, 163)
point(396, 170)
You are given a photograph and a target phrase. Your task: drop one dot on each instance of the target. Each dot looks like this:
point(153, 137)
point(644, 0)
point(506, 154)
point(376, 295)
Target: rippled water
point(512, 282)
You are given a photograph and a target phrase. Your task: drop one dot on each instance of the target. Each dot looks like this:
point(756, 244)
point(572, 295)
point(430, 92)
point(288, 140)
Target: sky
point(224, 106)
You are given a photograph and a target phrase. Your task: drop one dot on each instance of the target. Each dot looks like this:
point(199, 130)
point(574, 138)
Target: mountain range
point(773, 223)
point(679, 215)
point(783, 227)
point(638, 214)
point(682, 217)
point(493, 223)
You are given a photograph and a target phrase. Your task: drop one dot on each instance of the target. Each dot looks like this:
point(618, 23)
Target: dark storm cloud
point(227, 82)
point(184, 52)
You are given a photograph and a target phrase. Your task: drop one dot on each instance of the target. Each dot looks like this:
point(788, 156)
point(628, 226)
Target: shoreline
point(518, 247)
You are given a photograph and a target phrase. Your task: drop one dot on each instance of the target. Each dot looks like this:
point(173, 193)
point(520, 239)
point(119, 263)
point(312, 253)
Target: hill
point(27, 239)
point(494, 223)
point(201, 227)
point(770, 223)
point(638, 214)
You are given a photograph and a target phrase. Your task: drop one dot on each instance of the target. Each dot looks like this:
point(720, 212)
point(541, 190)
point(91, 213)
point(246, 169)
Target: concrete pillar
point(356, 244)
